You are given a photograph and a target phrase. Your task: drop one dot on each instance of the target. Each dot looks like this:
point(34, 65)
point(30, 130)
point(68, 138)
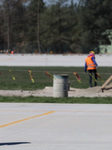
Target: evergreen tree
point(58, 24)
point(94, 18)
point(12, 12)
point(2, 35)
point(34, 10)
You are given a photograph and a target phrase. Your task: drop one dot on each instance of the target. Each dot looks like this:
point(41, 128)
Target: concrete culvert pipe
point(60, 85)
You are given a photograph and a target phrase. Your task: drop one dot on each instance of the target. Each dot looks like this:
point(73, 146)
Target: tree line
point(29, 26)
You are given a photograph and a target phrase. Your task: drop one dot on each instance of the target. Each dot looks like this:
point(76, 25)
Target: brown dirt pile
point(48, 92)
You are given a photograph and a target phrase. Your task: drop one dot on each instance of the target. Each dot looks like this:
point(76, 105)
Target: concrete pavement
point(52, 60)
point(55, 126)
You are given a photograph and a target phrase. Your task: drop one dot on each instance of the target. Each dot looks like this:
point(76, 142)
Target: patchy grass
point(73, 100)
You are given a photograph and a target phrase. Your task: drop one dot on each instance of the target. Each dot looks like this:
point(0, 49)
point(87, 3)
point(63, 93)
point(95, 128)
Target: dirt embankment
point(73, 92)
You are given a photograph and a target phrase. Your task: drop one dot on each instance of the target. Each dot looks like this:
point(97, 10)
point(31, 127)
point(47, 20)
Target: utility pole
point(8, 33)
point(7, 13)
point(38, 26)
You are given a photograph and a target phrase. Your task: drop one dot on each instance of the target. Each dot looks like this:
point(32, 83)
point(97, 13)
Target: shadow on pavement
point(14, 143)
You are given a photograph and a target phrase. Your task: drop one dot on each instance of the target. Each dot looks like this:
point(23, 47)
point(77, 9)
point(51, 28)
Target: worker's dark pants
point(92, 74)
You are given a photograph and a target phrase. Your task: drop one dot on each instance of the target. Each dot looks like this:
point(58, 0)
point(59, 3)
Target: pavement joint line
point(88, 111)
point(18, 121)
point(58, 111)
point(26, 110)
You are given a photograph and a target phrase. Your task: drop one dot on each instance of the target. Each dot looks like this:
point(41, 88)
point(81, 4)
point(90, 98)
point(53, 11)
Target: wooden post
point(106, 82)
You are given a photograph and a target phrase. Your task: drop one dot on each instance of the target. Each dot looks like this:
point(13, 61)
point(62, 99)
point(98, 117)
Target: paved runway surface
point(52, 60)
point(55, 126)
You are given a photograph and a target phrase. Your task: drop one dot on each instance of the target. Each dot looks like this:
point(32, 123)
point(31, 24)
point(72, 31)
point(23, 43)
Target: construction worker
point(91, 66)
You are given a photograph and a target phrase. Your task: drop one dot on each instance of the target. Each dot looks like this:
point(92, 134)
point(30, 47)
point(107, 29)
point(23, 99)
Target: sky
point(47, 1)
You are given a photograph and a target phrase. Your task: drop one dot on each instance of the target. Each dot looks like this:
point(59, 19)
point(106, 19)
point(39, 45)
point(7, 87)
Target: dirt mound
point(73, 92)
point(91, 92)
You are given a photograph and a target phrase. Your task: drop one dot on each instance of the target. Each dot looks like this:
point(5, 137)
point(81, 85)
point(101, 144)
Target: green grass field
point(75, 100)
point(41, 80)
point(22, 78)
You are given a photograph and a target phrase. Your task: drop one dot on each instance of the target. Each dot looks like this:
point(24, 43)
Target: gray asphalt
point(55, 126)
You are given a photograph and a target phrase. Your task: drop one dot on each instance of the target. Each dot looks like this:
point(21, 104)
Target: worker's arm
point(93, 59)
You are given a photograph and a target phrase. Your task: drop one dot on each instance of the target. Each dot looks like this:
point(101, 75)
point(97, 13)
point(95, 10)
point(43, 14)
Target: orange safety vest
point(90, 63)
point(12, 52)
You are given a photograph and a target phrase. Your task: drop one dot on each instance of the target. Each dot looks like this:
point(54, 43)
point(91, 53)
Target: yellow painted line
point(18, 121)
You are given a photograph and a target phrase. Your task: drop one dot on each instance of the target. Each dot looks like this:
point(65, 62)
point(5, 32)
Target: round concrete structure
point(60, 85)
